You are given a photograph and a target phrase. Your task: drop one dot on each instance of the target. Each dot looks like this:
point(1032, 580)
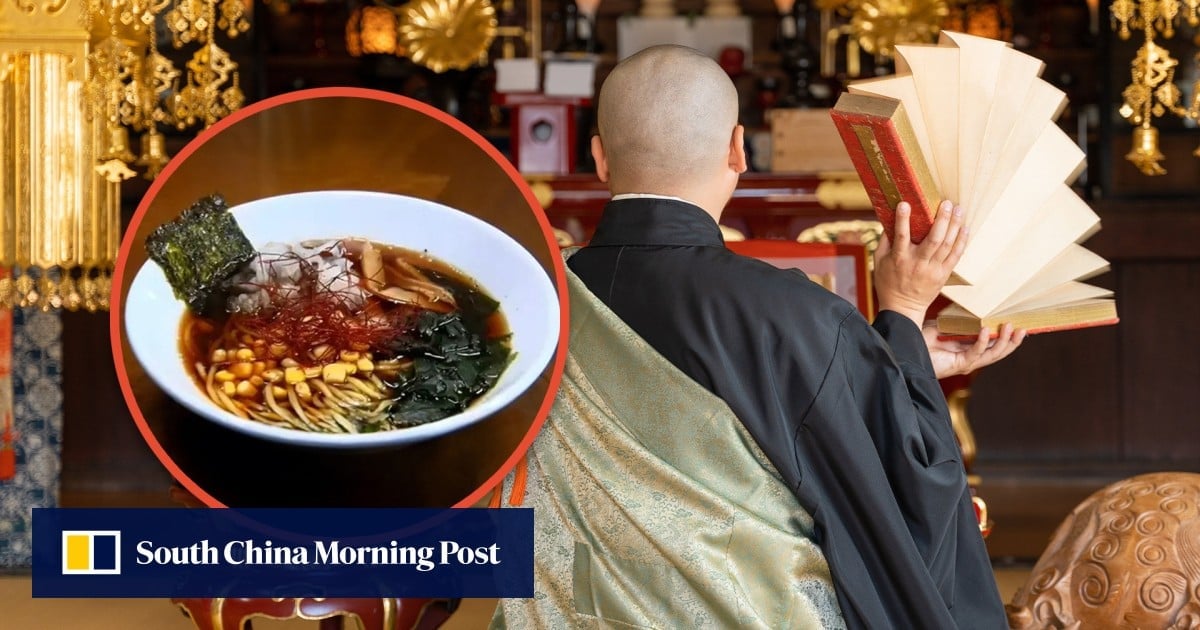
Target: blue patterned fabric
point(37, 420)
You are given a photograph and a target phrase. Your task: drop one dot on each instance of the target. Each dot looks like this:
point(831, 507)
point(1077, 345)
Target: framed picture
point(843, 269)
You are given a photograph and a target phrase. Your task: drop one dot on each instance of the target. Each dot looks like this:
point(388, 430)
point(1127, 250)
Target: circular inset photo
point(339, 297)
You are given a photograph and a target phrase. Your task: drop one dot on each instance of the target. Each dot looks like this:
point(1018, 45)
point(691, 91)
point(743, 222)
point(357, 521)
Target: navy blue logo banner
point(179, 552)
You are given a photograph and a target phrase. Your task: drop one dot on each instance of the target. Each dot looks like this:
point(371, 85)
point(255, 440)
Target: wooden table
point(330, 144)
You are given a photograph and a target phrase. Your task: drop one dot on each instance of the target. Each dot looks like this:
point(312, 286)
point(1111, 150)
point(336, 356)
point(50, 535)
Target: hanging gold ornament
point(128, 77)
point(879, 25)
point(154, 153)
point(60, 163)
point(77, 79)
point(233, 18)
point(1145, 153)
point(1152, 93)
point(447, 34)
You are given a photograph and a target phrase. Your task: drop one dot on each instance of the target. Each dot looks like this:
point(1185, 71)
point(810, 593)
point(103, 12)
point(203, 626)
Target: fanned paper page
point(979, 62)
point(985, 135)
point(1066, 219)
point(935, 71)
point(1018, 73)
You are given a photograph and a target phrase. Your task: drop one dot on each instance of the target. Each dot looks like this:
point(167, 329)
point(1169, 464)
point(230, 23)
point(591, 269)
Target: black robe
point(850, 413)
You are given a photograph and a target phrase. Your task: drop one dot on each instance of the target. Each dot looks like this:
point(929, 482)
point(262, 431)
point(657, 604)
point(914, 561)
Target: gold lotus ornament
point(448, 34)
point(881, 24)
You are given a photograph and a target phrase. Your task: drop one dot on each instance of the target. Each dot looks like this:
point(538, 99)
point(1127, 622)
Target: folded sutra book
point(970, 119)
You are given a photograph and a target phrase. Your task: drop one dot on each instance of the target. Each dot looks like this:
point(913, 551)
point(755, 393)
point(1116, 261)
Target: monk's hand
point(909, 276)
point(951, 357)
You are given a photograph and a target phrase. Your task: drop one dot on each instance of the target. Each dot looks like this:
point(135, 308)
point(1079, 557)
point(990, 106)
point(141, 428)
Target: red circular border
point(342, 92)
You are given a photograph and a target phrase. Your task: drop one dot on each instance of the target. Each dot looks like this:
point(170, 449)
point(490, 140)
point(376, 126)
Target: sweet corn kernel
point(256, 381)
point(278, 350)
point(247, 339)
point(278, 392)
point(229, 388)
point(260, 352)
point(244, 354)
point(224, 376)
point(294, 375)
point(246, 390)
point(350, 368)
point(289, 363)
point(364, 365)
point(303, 391)
point(334, 373)
point(259, 366)
point(242, 369)
point(312, 372)
point(322, 351)
point(272, 364)
point(219, 356)
point(349, 356)
point(272, 375)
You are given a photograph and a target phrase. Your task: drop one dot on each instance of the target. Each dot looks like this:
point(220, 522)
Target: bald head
point(666, 118)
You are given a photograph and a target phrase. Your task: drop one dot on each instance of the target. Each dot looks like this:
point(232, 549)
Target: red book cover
point(888, 159)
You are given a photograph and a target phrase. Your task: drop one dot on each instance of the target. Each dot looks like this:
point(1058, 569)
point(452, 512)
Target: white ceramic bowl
point(502, 267)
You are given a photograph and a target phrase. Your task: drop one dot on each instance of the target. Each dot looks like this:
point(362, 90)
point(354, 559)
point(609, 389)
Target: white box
point(570, 78)
point(517, 75)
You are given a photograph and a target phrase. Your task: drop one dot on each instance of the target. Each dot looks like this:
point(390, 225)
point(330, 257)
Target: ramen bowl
point(499, 265)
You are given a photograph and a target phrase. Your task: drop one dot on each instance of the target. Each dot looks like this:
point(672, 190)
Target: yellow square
point(78, 552)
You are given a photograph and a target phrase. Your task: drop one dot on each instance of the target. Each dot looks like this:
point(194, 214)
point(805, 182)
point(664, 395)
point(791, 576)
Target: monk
point(733, 445)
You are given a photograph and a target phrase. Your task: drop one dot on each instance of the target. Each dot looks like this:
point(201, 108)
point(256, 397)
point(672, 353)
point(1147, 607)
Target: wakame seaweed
point(200, 251)
point(452, 366)
point(453, 361)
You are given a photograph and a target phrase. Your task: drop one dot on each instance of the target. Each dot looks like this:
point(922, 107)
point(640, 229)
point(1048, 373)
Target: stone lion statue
point(1127, 557)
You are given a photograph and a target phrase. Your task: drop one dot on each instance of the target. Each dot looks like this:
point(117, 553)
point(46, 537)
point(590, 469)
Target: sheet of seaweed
point(200, 250)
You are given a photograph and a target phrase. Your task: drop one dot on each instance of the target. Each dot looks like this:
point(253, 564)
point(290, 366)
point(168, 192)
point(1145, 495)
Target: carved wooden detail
point(1128, 556)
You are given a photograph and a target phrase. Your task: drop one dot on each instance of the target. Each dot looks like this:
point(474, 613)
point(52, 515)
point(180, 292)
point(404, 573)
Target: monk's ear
point(737, 150)
point(600, 158)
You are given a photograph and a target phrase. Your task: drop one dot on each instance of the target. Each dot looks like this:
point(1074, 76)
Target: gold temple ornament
point(133, 86)
point(76, 76)
point(879, 25)
point(876, 27)
point(59, 196)
point(447, 34)
point(1152, 93)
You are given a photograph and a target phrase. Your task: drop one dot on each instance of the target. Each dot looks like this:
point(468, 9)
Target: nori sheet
point(200, 251)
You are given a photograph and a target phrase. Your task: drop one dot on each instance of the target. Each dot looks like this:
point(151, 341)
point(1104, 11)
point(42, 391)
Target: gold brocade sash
point(654, 508)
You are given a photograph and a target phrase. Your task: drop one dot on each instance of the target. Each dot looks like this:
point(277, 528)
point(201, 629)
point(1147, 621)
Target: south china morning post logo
point(164, 552)
point(91, 552)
